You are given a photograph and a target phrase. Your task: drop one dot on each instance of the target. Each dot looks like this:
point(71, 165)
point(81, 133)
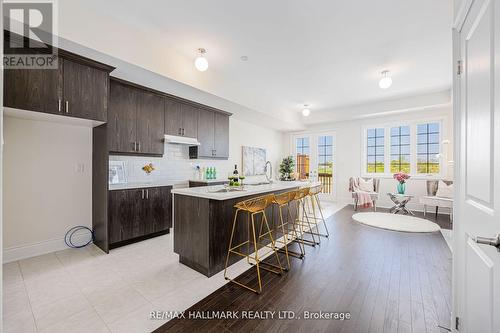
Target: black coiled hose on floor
point(68, 238)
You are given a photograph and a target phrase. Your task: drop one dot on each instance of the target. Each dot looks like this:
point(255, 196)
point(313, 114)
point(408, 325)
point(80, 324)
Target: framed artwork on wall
point(254, 161)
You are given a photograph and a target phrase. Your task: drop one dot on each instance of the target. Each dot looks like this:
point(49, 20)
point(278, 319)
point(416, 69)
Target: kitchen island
point(203, 218)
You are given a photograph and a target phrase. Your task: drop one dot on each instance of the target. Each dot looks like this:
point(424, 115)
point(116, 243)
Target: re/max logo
point(163, 315)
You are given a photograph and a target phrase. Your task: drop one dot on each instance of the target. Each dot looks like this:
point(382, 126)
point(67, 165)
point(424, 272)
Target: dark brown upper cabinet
point(150, 120)
point(173, 117)
point(206, 133)
point(213, 135)
point(77, 88)
point(136, 119)
point(180, 118)
point(122, 118)
point(33, 89)
point(85, 91)
point(189, 120)
point(221, 137)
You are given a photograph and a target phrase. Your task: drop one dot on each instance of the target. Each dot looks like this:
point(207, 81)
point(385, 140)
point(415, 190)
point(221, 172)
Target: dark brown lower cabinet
point(140, 213)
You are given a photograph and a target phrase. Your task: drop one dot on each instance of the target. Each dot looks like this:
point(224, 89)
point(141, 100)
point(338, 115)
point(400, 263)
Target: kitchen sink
point(227, 189)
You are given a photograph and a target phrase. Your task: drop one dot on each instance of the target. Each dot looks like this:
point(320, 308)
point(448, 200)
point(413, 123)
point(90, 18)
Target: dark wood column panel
point(100, 160)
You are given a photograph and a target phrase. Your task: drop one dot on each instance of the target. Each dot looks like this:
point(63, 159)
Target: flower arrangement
point(401, 177)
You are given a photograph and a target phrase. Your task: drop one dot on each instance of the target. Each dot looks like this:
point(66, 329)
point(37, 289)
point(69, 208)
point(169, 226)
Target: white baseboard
point(39, 248)
point(448, 237)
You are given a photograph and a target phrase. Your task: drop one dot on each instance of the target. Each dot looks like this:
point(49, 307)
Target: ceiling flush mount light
point(201, 62)
point(386, 80)
point(305, 111)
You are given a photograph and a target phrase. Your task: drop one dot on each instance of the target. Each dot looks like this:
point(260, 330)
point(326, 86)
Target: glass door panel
point(325, 162)
point(302, 156)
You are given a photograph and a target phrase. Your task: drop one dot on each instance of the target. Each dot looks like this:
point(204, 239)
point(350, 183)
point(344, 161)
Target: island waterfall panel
point(202, 230)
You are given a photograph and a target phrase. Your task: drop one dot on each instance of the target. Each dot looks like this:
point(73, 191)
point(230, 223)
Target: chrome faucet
point(269, 167)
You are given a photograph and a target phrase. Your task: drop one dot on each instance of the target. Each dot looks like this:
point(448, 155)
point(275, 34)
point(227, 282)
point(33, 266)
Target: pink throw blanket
point(364, 198)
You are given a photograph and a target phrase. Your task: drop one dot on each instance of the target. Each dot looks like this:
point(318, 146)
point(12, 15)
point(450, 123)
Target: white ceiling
point(328, 54)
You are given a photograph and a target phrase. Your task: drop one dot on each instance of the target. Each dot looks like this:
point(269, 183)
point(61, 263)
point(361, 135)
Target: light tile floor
point(85, 290)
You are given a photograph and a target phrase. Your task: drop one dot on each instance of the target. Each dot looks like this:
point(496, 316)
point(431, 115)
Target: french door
point(314, 155)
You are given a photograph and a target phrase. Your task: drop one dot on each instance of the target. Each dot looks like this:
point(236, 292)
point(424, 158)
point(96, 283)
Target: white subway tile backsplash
point(175, 165)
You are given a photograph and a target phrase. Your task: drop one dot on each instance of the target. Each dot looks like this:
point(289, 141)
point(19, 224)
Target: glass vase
point(401, 188)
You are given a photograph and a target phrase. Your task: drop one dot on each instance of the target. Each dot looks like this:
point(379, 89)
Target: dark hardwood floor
point(388, 282)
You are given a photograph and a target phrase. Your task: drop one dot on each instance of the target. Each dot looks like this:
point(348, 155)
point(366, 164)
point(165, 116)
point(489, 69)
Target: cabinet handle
point(67, 107)
point(139, 145)
point(59, 105)
point(215, 152)
point(142, 194)
point(182, 131)
point(147, 194)
point(135, 146)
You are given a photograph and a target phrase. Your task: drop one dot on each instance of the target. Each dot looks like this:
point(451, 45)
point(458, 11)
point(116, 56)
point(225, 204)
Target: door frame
point(313, 155)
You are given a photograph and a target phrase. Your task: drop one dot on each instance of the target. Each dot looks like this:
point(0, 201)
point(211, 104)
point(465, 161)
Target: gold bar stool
point(302, 218)
point(315, 204)
point(282, 201)
point(253, 207)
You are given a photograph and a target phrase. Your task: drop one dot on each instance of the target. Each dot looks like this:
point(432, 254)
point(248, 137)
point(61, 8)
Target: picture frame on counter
point(117, 173)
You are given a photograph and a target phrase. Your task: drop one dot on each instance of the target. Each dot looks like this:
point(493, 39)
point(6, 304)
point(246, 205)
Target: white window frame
point(413, 148)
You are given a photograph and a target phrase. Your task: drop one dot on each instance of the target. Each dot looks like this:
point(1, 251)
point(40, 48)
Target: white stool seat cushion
point(436, 201)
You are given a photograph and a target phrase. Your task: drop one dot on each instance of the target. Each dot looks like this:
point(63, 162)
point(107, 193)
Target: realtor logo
point(30, 36)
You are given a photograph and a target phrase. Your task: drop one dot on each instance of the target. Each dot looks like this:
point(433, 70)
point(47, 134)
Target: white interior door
point(477, 266)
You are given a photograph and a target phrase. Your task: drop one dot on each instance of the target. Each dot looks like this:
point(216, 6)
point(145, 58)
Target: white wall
point(44, 194)
point(175, 164)
point(349, 148)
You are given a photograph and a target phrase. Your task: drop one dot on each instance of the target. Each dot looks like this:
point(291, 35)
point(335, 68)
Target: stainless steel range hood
point(181, 140)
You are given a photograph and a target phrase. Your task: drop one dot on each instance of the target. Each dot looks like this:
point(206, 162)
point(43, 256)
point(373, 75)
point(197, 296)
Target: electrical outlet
point(80, 168)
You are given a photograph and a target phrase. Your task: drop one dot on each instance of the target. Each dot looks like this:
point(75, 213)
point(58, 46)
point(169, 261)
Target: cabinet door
point(33, 89)
point(141, 211)
point(85, 91)
point(206, 133)
point(150, 122)
point(121, 214)
point(173, 117)
point(221, 144)
point(122, 118)
point(189, 120)
point(159, 207)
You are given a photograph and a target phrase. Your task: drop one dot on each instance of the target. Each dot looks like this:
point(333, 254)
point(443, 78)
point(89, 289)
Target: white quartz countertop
point(156, 183)
point(211, 192)
point(209, 181)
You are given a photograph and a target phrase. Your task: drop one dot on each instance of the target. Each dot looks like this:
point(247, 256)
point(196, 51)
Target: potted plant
point(287, 167)
point(401, 177)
